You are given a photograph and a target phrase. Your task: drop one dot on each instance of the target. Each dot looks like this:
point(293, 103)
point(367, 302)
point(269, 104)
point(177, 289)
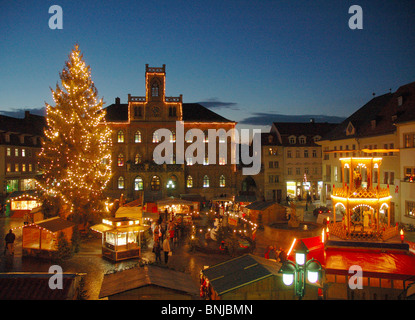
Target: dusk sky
point(246, 60)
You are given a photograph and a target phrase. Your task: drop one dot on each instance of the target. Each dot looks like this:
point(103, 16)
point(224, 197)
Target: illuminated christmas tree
point(75, 158)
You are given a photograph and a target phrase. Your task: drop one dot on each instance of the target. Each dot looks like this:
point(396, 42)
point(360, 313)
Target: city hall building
point(134, 138)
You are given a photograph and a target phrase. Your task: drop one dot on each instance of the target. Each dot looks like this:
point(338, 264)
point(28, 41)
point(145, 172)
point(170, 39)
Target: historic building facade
point(292, 160)
point(382, 128)
point(20, 142)
point(135, 138)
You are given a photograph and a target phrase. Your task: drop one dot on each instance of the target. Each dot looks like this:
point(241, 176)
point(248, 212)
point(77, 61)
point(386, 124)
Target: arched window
point(138, 184)
point(137, 136)
point(138, 111)
point(222, 181)
point(156, 137)
point(121, 182)
point(172, 111)
point(206, 136)
point(120, 136)
point(155, 183)
point(189, 182)
point(188, 136)
point(155, 90)
point(205, 182)
point(172, 183)
point(120, 160)
point(137, 158)
point(172, 136)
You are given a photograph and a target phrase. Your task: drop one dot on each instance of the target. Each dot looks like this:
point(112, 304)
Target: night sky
point(247, 60)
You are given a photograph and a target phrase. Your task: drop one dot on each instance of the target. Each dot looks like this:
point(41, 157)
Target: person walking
point(157, 251)
point(166, 249)
point(10, 237)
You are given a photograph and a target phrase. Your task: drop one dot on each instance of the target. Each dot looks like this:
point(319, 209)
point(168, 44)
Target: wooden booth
point(20, 203)
point(173, 206)
point(121, 237)
point(40, 238)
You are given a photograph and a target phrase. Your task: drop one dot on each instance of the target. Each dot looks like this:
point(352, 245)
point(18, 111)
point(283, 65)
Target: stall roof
point(55, 224)
point(101, 227)
point(149, 275)
point(33, 286)
point(15, 194)
point(260, 205)
point(171, 201)
point(104, 228)
point(387, 263)
point(239, 272)
point(129, 212)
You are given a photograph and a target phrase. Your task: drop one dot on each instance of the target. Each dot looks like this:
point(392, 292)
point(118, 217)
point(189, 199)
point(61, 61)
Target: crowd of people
point(165, 238)
point(279, 255)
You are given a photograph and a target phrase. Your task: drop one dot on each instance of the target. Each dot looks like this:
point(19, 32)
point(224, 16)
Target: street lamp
point(296, 272)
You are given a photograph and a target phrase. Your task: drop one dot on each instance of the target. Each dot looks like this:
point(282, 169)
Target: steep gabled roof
point(379, 116)
point(298, 129)
point(195, 112)
point(192, 112)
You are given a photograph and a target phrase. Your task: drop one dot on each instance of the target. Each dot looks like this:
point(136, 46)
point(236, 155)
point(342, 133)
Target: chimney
point(117, 100)
point(26, 114)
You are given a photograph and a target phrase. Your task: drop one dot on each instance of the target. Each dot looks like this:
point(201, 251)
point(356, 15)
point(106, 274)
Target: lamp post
point(297, 272)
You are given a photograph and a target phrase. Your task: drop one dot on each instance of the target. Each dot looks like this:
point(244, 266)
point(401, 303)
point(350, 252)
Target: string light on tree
point(76, 155)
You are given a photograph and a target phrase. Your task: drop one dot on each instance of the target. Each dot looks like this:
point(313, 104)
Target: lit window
point(9, 167)
point(137, 158)
point(120, 136)
point(16, 152)
point(156, 137)
point(205, 182)
point(222, 181)
point(137, 137)
point(206, 136)
point(120, 160)
point(188, 136)
point(155, 183)
point(155, 90)
point(16, 167)
point(23, 152)
point(30, 167)
point(121, 182)
point(189, 182)
point(172, 183)
point(23, 167)
point(9, 152)
point(138, 184)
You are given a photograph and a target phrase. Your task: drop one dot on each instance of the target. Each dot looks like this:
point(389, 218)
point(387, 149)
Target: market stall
point(19, 203)
point(121, 237)
point(171, 206)
point(41, 238)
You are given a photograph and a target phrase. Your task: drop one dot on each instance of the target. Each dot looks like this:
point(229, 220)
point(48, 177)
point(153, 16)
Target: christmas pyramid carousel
point(364, 204)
